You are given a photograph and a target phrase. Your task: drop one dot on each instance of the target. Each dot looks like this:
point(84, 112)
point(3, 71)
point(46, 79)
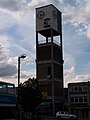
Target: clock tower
point(49, 56)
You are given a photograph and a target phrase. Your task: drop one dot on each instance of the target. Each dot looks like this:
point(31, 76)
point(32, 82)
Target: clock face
point(40, 14)
point(55, 14)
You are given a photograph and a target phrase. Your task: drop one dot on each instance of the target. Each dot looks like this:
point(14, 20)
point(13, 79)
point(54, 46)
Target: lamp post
point(19, 58)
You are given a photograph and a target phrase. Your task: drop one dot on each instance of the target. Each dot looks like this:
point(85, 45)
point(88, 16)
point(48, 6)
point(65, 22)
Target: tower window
point(49, 72)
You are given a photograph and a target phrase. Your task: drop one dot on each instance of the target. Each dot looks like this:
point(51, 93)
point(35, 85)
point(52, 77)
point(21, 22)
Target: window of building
point(72, 99)
point(85, 99)
point(80, 88)
point(71, 89)
point(76, 88)
point(2, 88)
point(49, 71)
point(84, 88)
point(89, 87)
point(10, 88)
point(76, 100)
point(80, 99)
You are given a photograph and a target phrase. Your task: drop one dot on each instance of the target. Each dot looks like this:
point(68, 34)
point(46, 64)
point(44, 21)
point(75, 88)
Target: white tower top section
point(48, 17)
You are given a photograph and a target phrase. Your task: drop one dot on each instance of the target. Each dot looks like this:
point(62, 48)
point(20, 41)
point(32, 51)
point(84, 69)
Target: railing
point(48, 41)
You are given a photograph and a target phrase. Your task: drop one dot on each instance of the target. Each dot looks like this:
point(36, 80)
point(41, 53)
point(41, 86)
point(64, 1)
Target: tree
point(30, 96)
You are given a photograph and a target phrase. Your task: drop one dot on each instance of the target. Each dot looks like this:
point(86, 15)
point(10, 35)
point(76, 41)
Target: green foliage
point(30, 95)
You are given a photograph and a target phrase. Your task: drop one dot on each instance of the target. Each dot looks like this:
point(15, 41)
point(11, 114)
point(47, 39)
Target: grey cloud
point(9, 4)
point(16, 5)
point(2, 56)
point(35, 4)
point(57, 2)
point(7, 70)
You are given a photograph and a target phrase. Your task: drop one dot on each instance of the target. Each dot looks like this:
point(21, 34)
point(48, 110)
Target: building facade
point(79, 99)
point(7, 101)
point(49, 55)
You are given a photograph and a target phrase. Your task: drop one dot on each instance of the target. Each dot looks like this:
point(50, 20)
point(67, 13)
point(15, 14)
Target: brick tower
point(49, 56)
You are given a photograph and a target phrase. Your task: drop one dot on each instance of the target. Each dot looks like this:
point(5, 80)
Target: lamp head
point(22, 56)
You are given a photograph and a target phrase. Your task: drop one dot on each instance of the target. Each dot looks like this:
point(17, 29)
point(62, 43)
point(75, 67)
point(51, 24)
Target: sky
point(17, 36)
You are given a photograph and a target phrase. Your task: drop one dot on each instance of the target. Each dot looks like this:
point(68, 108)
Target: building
point(65, 94)
point(7, 100)
point(49, 56)
point(79, 99)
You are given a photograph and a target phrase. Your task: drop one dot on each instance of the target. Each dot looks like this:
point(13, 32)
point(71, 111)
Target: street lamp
point(19, 58)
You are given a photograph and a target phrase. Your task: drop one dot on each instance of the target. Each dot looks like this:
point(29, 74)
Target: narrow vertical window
point(49, 72)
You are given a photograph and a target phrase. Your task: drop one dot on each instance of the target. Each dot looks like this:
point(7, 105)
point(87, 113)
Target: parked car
point(65, 115)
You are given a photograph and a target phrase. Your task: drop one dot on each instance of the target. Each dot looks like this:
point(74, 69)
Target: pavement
point(48, 118)
point(53, 118)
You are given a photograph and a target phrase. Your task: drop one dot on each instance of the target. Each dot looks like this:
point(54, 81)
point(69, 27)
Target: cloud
point(20, 11)
point(9, 4)
point(4, 49)
point(88, 32)
point(71, 77)
point(82, 78)
point(69, 74)
point(69, 60)
point(34, 4)
point(6, 44)
point(14, 12)
point(78, 16)
point(7, 70)
point(9, 52)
